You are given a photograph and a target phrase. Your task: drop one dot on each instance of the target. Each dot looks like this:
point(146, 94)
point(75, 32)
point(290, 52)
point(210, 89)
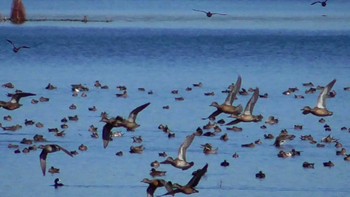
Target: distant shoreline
point(84, 20)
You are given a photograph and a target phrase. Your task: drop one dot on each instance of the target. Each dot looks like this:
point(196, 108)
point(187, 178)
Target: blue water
point(163, 46)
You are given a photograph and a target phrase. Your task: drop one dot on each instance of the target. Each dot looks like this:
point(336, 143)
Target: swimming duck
point(328, 139)
point(73, 118)
point(73, 107)
point(328, 164)
point(227, 106)
point(208, 13)
point(26, 141)
point(180, 98)
point(57, 183)
point(347, 158)
point(50, 148)
point(181, 162)
point(209, 149)
point(50, 87)
point(14, 102)
point(155, 164)
point(323, 3)
point(137, 139)
point(235, 155)
point(320, 109)
point(39, 125)
point(308, 165)
point(39, 138)
point(295, 152)
point(8, 118)
point(97, 84)
point(271, 120)
point(16, 49)
point(224, 137)
point(269, 136)
point(247, 115)
point(225, 163)
point(137, 149)
point(11, 128)
point(260, 175)
point(209, 94)
point(122, 95)
point(28, 122)
point(189, 188)
point(282, 138)
point(12, 146)
point(104, 87)
point(249, 145)
point(93, 108)
point(283, 154)
point(79, 87)
point(44, 99)
point(53, 170)
point(122, 87)
point(298, 127)
point(200, 84)
point(83, 147)
point(235, 129)
point(341, 152)
point(162, 154)
point(11, 86)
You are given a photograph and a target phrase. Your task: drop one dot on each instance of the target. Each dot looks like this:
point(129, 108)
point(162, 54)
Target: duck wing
point(218, 13)
point(197, 175)
point(43, 156)
point(16, 97)
point(321, 101)
point(106, 134)
point(236, 121)
point(214, 114)
point(150, 190)
point(251, 103)
point(199, 10)
point(133, 113)
point(24, 47)
point(65, 150)
point(233, 92)
point(315, 2)
point(183, 148)
point(11, 42)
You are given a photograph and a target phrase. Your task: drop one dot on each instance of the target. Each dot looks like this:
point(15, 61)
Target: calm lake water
point(163, 46)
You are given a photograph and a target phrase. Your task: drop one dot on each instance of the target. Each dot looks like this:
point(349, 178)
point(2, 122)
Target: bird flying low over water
point(14, 102)
point(50, 148)
point(16, 49)
point(189, 188)
point(227, 106)
point(247, 115)
point(181, 162)
point(208, 13)
point(323, 3)
point(130, 124)
point(154, 184)
point(321, 109)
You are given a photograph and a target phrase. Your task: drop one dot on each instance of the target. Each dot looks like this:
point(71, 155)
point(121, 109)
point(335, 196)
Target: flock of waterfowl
point(180, 161)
